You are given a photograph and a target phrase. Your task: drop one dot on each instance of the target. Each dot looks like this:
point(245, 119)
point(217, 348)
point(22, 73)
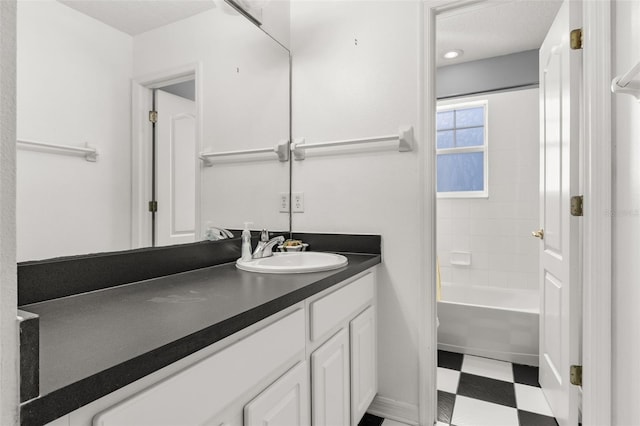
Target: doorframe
point(141, 135)
point(596, 169)
point(597, 220)
point(9, 331)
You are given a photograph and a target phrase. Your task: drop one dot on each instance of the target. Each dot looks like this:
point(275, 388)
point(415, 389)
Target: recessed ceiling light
point(452, 54)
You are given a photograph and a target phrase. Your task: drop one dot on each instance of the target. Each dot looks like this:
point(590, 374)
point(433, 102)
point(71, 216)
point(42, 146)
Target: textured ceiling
point(138, 16)
point(489, 28)
point(494, 28)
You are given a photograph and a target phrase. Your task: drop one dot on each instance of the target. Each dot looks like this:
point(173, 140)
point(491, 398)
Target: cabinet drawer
point(336, 307)
point(196, 394)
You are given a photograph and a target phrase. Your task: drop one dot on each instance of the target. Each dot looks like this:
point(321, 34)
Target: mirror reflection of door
point(85, 73)
point(176, 168)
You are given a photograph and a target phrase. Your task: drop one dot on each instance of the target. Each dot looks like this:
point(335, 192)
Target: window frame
point(451, 106)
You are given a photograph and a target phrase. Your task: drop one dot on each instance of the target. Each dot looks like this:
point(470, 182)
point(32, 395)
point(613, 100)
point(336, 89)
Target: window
point(461, 150)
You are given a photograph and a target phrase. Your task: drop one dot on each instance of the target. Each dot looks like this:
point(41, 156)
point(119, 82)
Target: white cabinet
point(313, 363)
point(364, 377)
point(200, 393)
point(284, 403)
point(330, 387)
point(342, 329)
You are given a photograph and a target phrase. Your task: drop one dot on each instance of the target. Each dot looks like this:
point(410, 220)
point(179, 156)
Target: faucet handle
point(264, 236)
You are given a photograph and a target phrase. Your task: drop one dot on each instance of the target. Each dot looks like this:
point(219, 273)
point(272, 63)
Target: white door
point(176, 171)
point(364, 371)
point(284, 403)
point(560, 305)
point(330, 382)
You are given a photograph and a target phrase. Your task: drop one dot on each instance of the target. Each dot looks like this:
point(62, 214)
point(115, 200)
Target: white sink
point(294, 263)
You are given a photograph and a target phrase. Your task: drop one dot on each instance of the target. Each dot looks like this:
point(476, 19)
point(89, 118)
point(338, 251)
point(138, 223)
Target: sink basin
point(294, 263)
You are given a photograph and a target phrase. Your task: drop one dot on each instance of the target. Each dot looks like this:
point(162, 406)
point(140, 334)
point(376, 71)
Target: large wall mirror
point(89, 73)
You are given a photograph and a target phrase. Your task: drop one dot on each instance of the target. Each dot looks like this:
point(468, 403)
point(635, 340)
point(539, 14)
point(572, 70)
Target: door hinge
point(576, 38)
point(576, 205)
point(575, 375)
point(153, 206)
point(153, 116)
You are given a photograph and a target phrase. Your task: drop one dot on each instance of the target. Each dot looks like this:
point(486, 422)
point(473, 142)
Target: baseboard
point(394, 410)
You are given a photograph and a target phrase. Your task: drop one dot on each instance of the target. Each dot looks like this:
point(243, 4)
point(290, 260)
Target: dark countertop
point(94, 343)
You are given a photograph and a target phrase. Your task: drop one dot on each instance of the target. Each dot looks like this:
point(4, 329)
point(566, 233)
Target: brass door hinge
point(576, 39)
point(153, 206)
point(153, 116)
point(577, 205)
point(576, 375)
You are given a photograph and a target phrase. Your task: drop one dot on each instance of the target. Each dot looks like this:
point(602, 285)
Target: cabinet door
point(364, 376)
point(330, 382)
point(284, 403)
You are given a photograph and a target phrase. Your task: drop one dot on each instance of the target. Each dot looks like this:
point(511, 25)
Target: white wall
point(73, 87)
point(276, 19)
point(497, 230)
point(346, 90)
point(245, 104)
point(626, 223)
point(9, 378)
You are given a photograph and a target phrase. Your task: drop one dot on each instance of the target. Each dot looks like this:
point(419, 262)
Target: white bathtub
point(490, 322)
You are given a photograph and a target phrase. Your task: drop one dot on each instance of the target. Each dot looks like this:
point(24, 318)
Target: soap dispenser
point(246, 243)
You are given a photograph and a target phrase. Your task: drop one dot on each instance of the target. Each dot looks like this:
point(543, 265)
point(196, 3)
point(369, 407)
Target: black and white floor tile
point(371, 420)
point(475, 391)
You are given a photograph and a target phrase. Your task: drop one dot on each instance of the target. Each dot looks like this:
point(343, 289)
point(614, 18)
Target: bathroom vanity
point(173, 334)
point(211, 345)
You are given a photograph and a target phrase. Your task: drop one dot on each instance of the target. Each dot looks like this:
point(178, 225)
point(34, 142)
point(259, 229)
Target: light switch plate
point(284, 202)
point(297, 204)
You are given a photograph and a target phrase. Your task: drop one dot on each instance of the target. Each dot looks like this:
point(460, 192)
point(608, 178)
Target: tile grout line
point(523, 376)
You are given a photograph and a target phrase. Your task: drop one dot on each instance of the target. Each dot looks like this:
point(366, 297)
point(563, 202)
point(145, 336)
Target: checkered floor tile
point(371, 420)
point(475, 391)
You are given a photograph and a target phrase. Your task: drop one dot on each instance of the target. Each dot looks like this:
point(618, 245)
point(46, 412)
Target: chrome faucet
point(221, 234)
point(265, 245)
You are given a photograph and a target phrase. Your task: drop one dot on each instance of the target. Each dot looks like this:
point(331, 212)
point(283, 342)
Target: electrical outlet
point(297, 202)
point(284, 202)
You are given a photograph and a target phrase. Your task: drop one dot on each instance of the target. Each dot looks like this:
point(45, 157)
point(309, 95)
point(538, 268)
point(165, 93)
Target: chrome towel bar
point(281, 150)
point(626, 84)
point(404, 139)
point(90, 154)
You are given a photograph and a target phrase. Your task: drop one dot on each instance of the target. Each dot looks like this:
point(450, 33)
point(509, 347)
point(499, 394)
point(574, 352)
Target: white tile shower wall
point(626, 223)
point(355, 75)
point(497, 230)
point(86, 67)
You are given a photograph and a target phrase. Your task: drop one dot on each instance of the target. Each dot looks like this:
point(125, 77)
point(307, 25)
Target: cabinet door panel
point(330, 381)
point(284, 403)
point(364, 377)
